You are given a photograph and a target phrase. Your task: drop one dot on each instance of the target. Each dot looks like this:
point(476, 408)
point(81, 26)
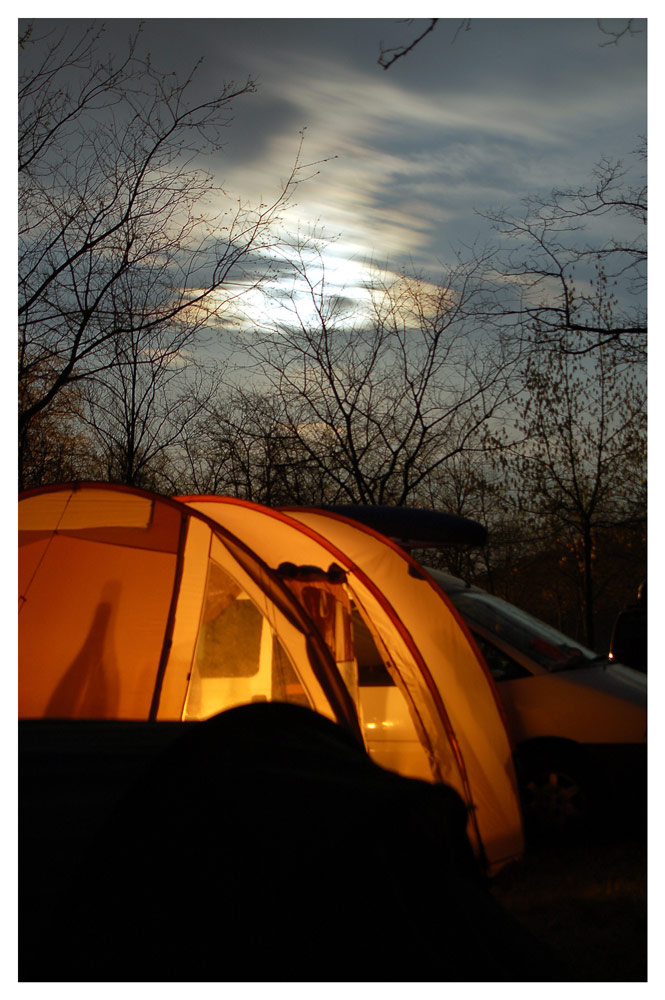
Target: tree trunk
point(589, 630)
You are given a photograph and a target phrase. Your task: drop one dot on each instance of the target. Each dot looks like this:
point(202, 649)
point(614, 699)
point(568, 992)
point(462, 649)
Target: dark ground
point(584, 899)
point(587, 900)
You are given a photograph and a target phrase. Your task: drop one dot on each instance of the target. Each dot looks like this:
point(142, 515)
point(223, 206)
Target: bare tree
point(243, 447)
point(389, 55)
point(473, 484)
point(54, 446)
point(379, 401)
point(111, 198)
point(140, 410)
point(580, 463)
point(562, 269)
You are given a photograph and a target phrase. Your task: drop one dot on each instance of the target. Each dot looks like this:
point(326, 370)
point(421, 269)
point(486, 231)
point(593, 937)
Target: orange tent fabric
point(443, 690)
point(126, 598)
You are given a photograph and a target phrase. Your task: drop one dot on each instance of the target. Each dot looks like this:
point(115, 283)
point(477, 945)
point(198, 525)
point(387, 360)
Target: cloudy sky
point(470, 120)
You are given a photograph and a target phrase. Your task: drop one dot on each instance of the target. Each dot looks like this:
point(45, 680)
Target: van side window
point(501, 666)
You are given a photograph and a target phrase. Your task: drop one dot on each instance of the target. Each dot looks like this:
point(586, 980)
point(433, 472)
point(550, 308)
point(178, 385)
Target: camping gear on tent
point(127, 598)
point(451, 728)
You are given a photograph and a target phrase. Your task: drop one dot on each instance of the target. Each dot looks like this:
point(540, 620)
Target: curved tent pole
point(170, 621)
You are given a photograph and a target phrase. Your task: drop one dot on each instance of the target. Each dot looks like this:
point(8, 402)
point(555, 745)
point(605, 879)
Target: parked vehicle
point(577, 720)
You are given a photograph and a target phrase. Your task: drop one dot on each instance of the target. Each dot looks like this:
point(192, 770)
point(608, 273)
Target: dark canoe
point(414, 527)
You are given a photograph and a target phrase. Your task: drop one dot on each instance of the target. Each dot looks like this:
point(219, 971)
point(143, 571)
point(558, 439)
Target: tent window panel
point(286, 685)
point(238, 659)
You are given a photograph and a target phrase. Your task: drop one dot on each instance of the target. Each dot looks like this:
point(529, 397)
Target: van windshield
point(545, 645)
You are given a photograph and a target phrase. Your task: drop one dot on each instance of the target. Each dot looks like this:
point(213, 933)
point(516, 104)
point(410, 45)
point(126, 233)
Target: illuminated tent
point(126, 600)
point(137, 607)
point(440, 720)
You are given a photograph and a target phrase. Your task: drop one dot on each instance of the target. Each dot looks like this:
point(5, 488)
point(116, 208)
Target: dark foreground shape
point(264, 845)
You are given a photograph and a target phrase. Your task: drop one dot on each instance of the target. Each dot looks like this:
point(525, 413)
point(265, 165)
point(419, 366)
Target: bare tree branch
point(616, 36)
point(391, 55)
point(556, 271)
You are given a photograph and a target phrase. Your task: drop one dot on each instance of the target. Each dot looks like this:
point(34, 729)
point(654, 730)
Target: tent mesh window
point(238, 657)
point(230, 644)
point(286, 684)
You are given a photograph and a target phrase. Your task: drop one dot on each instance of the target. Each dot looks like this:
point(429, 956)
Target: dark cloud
point(258, 118)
